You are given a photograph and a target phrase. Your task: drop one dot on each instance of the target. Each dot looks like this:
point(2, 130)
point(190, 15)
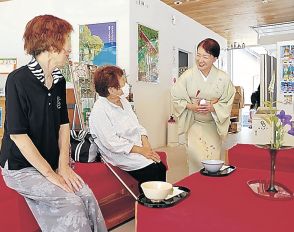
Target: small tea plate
point(227, 170)
point(183, 192)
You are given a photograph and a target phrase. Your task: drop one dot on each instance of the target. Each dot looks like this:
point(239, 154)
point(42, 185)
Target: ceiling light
point(274, 29)
point(178, 2)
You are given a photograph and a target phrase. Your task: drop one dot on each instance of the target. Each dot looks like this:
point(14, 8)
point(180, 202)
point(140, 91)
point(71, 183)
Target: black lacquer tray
point(227, 171)
point(165, 203)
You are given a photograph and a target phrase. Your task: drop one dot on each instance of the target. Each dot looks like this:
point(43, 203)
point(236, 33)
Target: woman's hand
point(209, 106)
point(145, 141)
point(150, 154)
point(195, 107)
point(33, 156)
point(147, 152)
point(73, 180)
point(56, 179)
point(202, 108)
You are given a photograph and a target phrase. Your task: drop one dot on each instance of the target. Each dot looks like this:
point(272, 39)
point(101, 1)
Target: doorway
point(245, 72)
point(184, 61)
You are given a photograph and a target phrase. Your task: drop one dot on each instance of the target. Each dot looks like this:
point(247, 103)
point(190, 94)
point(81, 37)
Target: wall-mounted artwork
point(147, 54)
point(85, 94)
point(7, 65)
point(97, 43)
point(287, 69)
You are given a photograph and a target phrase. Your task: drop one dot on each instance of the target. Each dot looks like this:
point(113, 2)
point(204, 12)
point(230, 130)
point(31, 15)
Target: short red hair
point(106, 77)
point(45, 32)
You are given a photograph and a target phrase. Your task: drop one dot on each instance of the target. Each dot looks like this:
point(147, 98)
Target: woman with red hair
point(121, 139)
point(35, 146)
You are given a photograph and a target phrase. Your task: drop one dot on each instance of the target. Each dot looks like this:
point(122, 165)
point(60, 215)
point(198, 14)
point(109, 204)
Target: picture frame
point(148, 54)
point(97, 43)
point(7, 65)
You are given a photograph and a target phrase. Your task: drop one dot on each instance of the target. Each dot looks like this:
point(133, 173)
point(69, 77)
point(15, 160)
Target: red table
point(251, 156)
point(222, 204)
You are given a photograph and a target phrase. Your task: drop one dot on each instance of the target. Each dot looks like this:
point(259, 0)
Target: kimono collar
point(38, 72)
point(212, 72)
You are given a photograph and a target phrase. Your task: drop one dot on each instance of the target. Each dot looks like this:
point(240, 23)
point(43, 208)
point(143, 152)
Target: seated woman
point(122, 141)
point(35, 146)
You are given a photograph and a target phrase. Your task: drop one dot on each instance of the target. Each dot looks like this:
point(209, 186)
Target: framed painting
point(97, 43)
point(148, 54)
point(7, 65)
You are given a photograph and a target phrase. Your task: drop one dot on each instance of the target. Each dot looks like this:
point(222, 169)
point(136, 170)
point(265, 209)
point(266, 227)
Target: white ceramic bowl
point(212, 165)
point(156, 190)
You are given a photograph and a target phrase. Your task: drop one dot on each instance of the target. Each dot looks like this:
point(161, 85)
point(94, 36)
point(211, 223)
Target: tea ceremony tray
point(180, 191)
point(225, 171)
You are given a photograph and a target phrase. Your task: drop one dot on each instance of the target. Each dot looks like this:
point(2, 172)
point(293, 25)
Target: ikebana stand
point(271, 189)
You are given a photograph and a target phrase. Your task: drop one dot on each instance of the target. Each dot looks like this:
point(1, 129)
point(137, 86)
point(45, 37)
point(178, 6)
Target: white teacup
point(200, 101)
point(156, 190)
point(212, 165)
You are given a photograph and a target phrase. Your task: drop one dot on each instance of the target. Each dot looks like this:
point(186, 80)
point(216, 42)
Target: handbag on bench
point(83, 148)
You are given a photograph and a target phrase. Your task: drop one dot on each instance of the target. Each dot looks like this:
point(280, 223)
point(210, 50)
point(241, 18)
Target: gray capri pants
point(55, 209)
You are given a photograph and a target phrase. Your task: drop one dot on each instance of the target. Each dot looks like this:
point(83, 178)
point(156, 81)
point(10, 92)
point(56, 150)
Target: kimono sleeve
point(223, 108)
point(179, 94)
point(180, 99)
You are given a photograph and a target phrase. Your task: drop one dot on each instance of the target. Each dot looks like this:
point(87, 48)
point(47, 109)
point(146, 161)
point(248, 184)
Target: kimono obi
point(203, 117)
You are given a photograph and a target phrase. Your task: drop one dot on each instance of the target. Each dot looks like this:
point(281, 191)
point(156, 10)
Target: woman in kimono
point(203, 98)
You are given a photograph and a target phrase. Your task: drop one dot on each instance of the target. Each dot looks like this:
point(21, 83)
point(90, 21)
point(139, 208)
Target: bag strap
point(78, 150)
point(76, 112)
point(79, 135)
point(73, 125)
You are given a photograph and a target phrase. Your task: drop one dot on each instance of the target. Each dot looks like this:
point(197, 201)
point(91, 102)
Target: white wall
point(245, 72)
point(151, 100)
point(15, 14)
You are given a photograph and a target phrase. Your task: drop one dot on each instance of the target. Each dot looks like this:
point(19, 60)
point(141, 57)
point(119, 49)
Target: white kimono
point(204, 131)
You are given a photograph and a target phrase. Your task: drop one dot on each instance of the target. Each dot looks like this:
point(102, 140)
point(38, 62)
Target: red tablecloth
point(222, 204)
point(250, 156)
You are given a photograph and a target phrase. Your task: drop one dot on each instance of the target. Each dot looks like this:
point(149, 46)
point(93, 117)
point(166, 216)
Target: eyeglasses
point(67, 51)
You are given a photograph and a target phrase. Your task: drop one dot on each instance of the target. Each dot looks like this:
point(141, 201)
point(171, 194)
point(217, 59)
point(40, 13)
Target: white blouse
point(116, 130)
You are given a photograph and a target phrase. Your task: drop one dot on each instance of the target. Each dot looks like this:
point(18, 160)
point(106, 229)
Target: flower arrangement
point(278, 120)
